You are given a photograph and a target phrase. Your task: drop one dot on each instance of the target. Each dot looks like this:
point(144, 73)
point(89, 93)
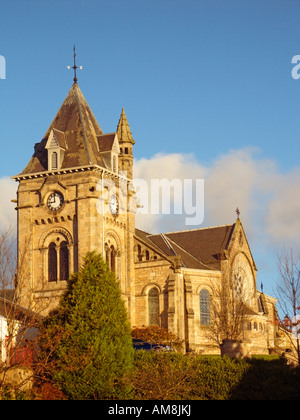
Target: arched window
point(110, 255)
point(52, 262)
point(64, 261)
point(153, 306)
point(147, 255)
point(54, 160)
point(112, 258)
point(140, 255)
point(204, 307)
point(107, 254)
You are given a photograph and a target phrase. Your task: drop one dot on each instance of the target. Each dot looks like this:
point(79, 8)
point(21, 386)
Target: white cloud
point(8, 215)
point(282, 218)
point(170, 167)
point(269, 200)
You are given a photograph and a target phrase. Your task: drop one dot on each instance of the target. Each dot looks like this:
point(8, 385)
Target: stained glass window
point(204, 307)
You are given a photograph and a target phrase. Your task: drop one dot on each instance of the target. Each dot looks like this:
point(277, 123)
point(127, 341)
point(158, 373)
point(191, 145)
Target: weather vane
point(238, 213)
point(75, 67)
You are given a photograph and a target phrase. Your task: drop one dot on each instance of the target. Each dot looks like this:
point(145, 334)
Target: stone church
point(70, 200)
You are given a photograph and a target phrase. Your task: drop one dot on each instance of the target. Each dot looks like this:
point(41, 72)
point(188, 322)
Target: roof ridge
point(141, 230)
point(167, 242)
point(194, 230)
point(83, 126)
point(80, 129)
point(74, 91)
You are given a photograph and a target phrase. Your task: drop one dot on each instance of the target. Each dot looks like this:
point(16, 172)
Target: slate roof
point(199, 248)
point(106, 141)
point(78, 133)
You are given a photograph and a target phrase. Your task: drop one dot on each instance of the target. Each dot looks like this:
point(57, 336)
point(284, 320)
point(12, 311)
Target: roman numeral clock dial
point(55, 201)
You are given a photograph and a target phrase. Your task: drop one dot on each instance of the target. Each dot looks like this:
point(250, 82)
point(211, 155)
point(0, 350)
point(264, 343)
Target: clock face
point(55, 201)
point(113, 205)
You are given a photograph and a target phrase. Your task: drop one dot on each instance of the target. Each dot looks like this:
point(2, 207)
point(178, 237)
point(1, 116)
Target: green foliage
point(162, 376)
point(86, 353)
point(217, 377)
point(268, 379)
point(153, 333)
point(176, 376)
point(86, 344)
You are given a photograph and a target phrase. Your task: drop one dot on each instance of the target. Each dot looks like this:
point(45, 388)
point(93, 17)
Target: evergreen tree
point(86, 343)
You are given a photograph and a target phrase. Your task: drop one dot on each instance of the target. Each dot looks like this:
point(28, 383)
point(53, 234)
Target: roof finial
point(75, 67)
point(237, 213)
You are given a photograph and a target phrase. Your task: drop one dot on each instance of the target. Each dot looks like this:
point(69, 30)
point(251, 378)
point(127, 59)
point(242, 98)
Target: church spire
point(123, 130)
point(76, 129)
point(126, 142)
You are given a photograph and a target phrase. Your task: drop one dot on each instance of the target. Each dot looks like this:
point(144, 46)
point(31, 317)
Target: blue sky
point(207, 80)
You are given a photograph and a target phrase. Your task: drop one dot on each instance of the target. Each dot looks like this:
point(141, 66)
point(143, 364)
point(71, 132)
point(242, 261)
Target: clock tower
point(72, 198)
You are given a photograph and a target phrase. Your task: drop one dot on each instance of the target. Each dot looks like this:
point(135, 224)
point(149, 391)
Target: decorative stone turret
point(126, 142)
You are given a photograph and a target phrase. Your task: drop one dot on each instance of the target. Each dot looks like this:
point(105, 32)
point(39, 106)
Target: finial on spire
point(237, 213)
point(123, 130)
point(75, 67)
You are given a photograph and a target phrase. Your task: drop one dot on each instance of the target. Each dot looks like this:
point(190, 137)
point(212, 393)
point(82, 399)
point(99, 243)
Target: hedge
point(174, 376)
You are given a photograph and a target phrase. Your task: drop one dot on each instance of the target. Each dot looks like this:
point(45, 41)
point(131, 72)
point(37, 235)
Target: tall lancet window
point(204, 307)
point(64, 261)
point(111, 254)
point(112, 258)
point(58, 261)
point(153, 306)
point(52, 262)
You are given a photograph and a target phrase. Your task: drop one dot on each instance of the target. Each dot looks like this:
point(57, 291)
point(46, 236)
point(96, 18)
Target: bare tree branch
point(288, 293)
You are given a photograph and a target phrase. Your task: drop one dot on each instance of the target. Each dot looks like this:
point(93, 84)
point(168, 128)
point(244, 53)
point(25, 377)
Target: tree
point(228, 310)
point(86, 343)
point(288, 292)
point(17, 324)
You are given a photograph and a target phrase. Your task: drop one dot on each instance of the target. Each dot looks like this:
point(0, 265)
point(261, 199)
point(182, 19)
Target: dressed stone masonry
point(166, 279)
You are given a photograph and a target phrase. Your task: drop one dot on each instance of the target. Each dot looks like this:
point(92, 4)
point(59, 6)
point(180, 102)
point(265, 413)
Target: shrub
point(268, 380)
point(162, 376)
point(153, 334)
point(86, 343)
point(176, 376)
point(217, 377)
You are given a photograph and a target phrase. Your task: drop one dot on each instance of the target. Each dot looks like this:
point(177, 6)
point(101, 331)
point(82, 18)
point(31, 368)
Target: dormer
point(108, 146)
point(56, 147)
